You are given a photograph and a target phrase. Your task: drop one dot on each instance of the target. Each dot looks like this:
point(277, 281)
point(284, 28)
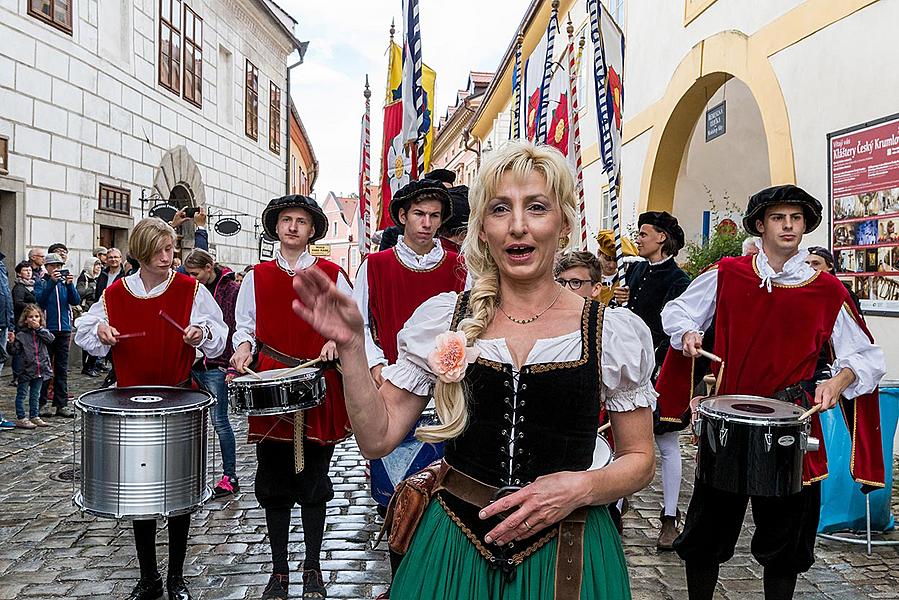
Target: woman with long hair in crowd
point(519, 368)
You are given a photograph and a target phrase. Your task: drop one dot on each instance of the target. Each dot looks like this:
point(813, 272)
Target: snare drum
point(410, 457)
point(751, 445)
point(273, 394)
point(143, 452)
point(603, 455)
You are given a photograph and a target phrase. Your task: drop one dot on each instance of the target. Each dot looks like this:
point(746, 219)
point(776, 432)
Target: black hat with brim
point(441, 175)
point(666, 222)
point(461, 209)
point(782, 194)
point(414, 190)
point(273, 211)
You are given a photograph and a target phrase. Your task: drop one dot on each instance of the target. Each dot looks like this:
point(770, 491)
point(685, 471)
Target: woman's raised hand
point(331, 313)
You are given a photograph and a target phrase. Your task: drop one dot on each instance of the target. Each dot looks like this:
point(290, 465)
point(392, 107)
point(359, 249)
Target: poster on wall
point(864, 206)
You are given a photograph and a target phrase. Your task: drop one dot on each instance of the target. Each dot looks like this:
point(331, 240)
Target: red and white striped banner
point(365, 177)
point(573, 68)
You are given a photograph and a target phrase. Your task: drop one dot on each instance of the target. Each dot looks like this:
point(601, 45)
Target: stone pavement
point(50, 550)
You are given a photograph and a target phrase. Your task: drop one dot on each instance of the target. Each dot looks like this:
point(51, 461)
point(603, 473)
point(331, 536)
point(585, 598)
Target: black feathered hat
point(782, 194)
point(273, 211)
point(441, 175)
point(415, 189)
point(666, 222)
point(461, 209)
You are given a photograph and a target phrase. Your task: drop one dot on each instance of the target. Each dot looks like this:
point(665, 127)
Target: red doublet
point(395, 291)
point(160, 357)
point(770, 341)
point(280, 328)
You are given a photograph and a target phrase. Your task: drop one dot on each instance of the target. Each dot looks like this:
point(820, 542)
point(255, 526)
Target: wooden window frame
point(251, 109)
point(51, 20)
point(274, 118)
point(194, 44)
point(175, 57)
point(104, 204)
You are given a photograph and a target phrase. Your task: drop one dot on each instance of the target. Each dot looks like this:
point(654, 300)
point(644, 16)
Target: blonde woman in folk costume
point(519, 367)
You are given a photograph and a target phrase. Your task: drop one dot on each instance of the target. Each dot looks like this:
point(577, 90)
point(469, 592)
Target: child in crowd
point(32, 350)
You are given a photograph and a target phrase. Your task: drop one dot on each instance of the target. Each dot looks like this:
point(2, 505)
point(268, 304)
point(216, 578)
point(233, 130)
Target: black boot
point(177, 588)
point(147, 588)
point(276, 589)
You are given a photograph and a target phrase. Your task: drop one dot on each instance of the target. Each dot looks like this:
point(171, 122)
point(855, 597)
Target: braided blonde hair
point(519, 158)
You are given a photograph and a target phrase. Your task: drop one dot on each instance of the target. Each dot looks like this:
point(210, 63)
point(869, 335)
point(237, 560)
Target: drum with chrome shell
point(271, 393)
point(752, 445)
point(143, 451)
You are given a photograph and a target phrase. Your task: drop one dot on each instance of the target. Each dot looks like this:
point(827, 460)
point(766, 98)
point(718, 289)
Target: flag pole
point(547, 72)
point(604, 119)
point(365, 192)
point(516, 92)
point(574, 119)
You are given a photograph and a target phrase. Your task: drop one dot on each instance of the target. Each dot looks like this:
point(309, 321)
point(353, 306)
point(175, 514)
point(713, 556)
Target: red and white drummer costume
point(770, 328)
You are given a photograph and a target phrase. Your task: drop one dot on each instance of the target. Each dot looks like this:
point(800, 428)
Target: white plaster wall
point(77, 118)
point(657, 40)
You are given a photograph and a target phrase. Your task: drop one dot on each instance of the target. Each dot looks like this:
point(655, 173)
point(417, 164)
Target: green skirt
point(442, 564)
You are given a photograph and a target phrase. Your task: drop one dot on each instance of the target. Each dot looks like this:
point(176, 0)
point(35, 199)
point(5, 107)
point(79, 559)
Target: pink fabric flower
point(450, 359)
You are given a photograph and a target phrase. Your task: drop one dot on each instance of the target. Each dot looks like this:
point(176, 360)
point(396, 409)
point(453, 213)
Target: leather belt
point(284, 359)
point(570, 543)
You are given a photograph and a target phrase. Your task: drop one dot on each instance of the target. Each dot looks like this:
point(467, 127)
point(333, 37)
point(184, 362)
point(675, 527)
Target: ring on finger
point(526, 524)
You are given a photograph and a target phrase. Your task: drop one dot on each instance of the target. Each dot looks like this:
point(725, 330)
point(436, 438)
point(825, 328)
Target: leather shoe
point(668, 532)
point(147, 589)
point(276, 589)
point(177, 588)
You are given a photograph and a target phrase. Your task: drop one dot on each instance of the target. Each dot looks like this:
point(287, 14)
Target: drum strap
point(298, 419)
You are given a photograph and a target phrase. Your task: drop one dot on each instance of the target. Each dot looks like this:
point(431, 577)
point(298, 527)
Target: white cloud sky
point(348, 39)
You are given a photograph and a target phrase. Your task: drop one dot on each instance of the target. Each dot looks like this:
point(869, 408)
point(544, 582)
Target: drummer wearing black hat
point(650, 285)
point(773, 314)
point(293, 454)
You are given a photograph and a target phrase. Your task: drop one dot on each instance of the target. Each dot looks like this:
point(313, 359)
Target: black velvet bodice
point(548, 426)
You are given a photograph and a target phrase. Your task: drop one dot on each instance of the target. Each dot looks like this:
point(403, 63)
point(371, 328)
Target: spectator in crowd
point(201, 234)
point(7, 313)
point(56, 294)
point(239, 276)
point(580, 272)
point(112, 272)
point(36, 257)
point(176, 263)
point(750, 247)
point(87, 289)
point(211, 372)
point(100, 254)
point(23, 289)
point(32, 350)
point(63, 251)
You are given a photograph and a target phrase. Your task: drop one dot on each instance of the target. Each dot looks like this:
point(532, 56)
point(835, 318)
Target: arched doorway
point(178, 180)
point(725, 63)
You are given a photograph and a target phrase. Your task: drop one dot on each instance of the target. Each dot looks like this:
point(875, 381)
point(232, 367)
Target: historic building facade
point(303, 166)
point(111, 108)
point(454, 146)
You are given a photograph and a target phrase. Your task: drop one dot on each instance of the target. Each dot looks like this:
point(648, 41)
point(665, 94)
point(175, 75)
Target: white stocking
point(672, 470)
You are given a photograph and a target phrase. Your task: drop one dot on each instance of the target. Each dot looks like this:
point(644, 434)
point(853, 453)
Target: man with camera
point(56, 294)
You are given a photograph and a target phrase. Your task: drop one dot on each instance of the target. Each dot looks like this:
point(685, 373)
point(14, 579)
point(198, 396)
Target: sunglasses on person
point(574, 284)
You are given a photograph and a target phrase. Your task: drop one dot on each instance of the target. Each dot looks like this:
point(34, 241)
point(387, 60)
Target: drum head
point(272, 376)
point(755, 408)
point(143, 399)
point(602, 453)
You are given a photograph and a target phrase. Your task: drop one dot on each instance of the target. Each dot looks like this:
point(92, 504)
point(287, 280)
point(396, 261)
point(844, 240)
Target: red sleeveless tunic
point(395, 291)
point(160, 357)
point(279, 327)
point(770, 341)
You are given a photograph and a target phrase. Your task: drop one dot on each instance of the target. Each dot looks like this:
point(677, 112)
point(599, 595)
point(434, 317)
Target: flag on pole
point(516, 91)
point(574, 65)
point(532, 91)
point(365, 177)
point(558, 131)
point(398, 167)
point(414, 103)
point(608, 65)
point(548, 70)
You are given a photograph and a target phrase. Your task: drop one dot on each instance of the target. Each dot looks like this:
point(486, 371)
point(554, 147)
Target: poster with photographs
point(864, 209)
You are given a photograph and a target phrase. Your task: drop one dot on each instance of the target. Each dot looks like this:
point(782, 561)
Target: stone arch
point(178, 180)
point(178, 167)
point(707, 66)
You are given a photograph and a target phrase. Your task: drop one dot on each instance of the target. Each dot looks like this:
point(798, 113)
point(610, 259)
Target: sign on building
point(863, 181)
point(716, 121)
point(320, 249)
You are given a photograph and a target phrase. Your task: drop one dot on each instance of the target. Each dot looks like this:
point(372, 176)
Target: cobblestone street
point(50, 550)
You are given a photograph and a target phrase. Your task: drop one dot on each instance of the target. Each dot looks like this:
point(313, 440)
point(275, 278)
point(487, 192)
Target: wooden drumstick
point(604, 427)
point(710, 356)
point(252, 372)
point(809, 412)
point(300, 367)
